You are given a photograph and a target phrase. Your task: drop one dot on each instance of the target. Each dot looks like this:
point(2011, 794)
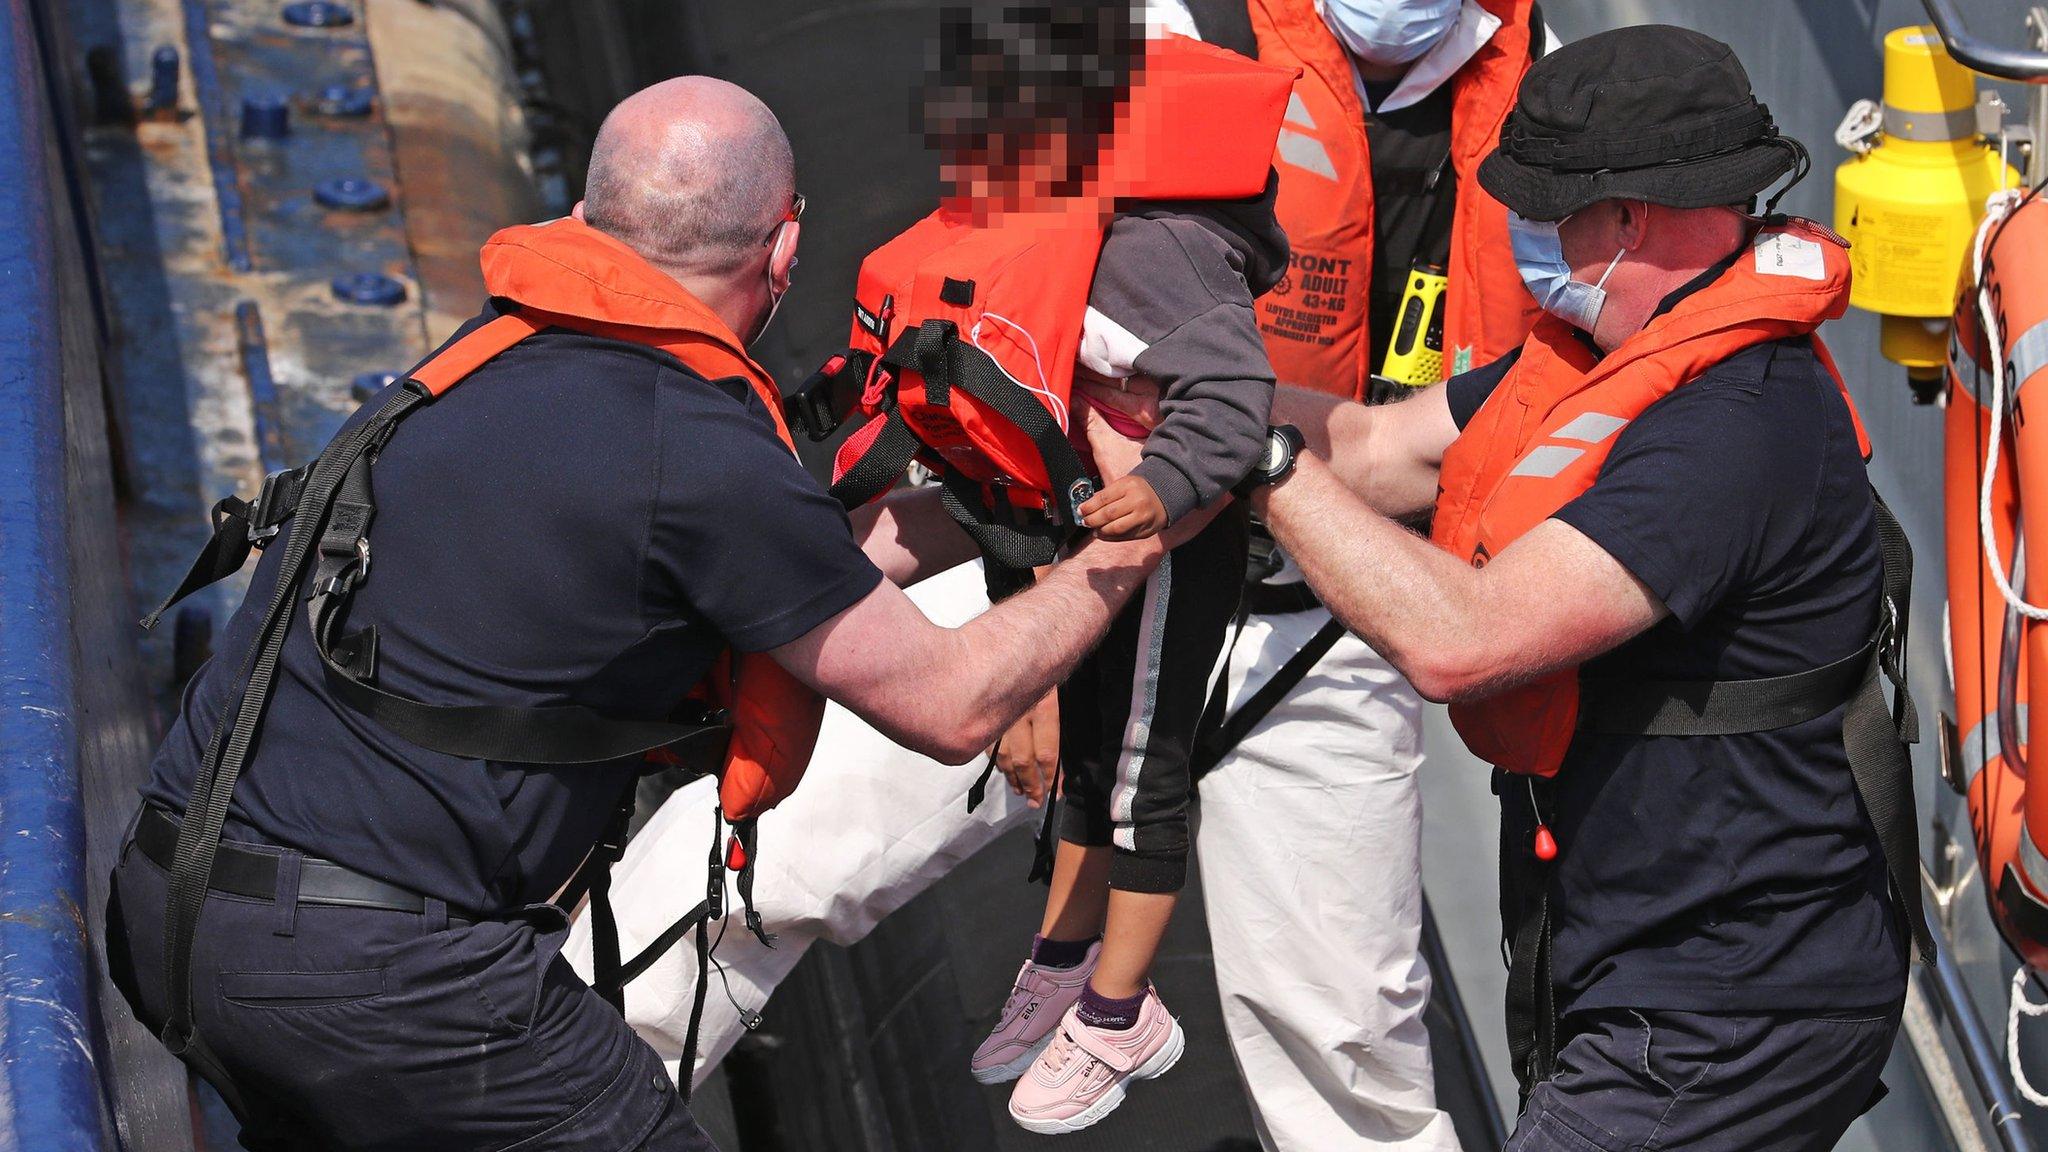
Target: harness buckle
point(354, 573)
point(275, 502)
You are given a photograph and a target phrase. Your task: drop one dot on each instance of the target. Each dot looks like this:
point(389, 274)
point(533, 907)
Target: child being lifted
point(1023, 108)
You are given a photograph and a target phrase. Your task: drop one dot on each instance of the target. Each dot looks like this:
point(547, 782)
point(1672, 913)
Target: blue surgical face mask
point(1390, 31)
point(1539, 256)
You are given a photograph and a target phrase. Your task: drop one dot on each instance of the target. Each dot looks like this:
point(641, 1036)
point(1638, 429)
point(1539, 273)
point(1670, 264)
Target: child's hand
point(1125, 509)
point(1030, 751)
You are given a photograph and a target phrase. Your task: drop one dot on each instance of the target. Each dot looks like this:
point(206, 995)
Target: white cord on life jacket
point(2021, 1006)
point(2000, 206)
point(1052, 401)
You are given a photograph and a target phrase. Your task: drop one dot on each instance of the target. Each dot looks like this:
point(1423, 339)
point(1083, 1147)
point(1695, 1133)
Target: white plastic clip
point(1860, 129)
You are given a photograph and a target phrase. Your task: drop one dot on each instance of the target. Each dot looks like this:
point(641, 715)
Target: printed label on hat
point(1783, 254)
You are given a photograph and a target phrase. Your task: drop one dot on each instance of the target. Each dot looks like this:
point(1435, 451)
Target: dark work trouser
point(1128, 714)
point(1715, 1082)
point(351, 1028)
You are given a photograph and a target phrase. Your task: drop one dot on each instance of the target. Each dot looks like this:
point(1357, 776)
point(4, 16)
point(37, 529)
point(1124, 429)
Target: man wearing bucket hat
point(1657, 595)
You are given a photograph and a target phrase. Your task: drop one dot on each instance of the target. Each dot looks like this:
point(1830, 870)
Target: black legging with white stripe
point(1129, 712)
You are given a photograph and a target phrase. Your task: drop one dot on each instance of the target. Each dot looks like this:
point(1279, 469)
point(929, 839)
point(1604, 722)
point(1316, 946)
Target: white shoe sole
point(1160, 1063)
point(1004, 1073)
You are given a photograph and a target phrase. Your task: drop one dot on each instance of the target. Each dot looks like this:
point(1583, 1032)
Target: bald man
point(587, 519)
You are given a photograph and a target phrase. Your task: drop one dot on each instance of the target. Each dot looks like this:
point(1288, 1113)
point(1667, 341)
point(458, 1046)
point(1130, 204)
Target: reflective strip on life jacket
point(1315, 327)
point(1539, 440)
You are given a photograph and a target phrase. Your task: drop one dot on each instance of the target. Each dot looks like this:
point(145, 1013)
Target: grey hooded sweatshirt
point(1172, 301)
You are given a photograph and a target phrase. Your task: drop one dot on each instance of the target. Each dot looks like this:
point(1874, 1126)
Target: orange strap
point(458, 360)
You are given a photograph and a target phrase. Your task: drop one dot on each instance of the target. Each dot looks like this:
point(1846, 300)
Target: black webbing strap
point(1874, 739)
point(879, 468)
point(1007, 536)
point(947, 362)
point(238, 526)
point(1720, 707)
point(206, 811)
point(610, 980)
point(1532, 1019)
point(595, 876)
point(743, 881)
point(1043, 846)
point(1874, 736)
point(549, 734)
point(1213, 744)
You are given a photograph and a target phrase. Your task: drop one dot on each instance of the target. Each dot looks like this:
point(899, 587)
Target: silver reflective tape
point(1982, 743)
point(1590, 428)
point(2033, 865)
point(1306, 153)
point(1546, 460)
point(2029, 355)
point(1123, 799)
point(1964, 365)
point(1952, 125)
point(1297, 112)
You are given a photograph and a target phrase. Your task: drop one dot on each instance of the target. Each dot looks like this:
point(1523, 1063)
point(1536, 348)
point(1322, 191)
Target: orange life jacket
point(567, 274)
point(965, 331)
point(1315, 321)
point(1540, 438)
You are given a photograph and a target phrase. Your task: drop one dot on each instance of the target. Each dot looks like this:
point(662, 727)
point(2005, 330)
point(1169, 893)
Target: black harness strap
point(1874, 737)
point(238, 526)
point(331, 503)
point(879, 468)
point(947, 362)
point(206, 811)
point(1532, 1017)
point(1213, 744)
point(551, 734)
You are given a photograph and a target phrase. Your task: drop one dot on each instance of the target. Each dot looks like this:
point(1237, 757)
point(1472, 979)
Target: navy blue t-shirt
point(579, 521)
point(1724, 873)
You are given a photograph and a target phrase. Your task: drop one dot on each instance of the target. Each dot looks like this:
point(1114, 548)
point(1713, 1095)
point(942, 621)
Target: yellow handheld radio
point(1415, 356)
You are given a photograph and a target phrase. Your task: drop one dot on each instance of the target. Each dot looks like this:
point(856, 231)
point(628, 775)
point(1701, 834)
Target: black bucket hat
point(1651, 113)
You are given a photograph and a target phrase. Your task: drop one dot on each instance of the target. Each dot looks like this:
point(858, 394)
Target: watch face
point(1276, 454)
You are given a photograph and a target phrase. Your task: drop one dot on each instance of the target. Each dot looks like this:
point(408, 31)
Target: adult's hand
point(1116, 454)
point(1135, 397)
point(1029, 752)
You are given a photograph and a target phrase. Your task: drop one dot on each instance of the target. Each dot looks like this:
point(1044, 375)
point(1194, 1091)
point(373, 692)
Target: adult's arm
point(910, 536)
point(1387, 454)
point(950, 692)
point(1551, 600)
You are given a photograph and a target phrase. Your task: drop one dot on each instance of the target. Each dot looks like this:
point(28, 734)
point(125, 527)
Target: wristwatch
point(1284, 445)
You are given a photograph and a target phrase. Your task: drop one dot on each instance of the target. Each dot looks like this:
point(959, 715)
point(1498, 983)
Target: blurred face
point(990, 176)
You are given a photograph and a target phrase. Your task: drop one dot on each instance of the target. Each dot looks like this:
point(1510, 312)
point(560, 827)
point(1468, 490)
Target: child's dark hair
point(998, 87)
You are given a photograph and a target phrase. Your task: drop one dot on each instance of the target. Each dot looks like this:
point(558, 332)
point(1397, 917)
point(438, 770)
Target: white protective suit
point(872, 826)
point(1307, 837)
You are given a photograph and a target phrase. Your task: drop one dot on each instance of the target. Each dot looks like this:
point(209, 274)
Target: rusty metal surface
point(451, 99)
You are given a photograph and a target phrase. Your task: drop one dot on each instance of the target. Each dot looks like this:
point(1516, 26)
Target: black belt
point(244, 871)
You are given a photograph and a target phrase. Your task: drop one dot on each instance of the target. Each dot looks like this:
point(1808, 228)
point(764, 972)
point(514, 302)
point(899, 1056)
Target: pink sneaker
point(1040, 997)
point(1082, 1076)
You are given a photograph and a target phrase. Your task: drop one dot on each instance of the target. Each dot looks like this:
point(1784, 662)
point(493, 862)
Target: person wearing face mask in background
point(1316, 932)
point(1658, 596)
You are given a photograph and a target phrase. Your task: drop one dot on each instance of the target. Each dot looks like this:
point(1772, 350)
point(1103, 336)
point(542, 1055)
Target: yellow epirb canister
point(1910, 203)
